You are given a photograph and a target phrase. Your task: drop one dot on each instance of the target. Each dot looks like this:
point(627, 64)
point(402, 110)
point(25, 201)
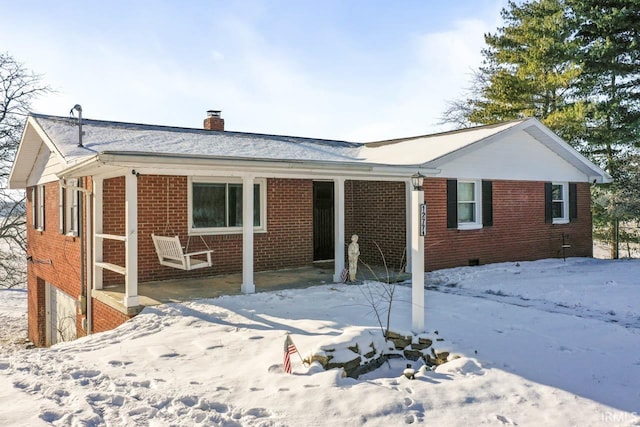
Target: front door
point(323, 230)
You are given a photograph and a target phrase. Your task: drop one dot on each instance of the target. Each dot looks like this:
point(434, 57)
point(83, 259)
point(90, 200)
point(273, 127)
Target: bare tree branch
point(18, 87)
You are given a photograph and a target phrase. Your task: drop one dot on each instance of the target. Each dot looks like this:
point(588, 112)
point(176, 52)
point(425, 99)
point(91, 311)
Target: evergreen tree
point(529, 70)
point(609, 39)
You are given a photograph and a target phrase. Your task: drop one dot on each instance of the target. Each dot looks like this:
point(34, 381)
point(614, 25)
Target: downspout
point(81, 209)
point(89, 257)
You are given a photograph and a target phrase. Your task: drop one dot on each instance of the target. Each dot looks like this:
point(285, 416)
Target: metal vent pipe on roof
point(78, 108)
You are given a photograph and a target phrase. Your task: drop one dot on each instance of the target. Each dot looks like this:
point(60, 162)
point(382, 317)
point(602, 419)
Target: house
point(97, 191)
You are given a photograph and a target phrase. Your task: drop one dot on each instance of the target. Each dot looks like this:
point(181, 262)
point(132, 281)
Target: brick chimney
point(213, 120)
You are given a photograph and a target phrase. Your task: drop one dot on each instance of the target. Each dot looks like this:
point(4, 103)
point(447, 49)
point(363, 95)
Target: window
point(561, 203)
point(469, 204)
point(37, 211)
point(69, 207)
point(558, 203)
point(216, 206)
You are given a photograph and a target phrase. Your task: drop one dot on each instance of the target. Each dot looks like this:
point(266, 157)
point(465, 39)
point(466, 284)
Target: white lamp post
point(419, 228)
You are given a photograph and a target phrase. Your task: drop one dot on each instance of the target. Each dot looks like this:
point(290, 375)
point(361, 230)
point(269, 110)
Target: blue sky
point(356, 70)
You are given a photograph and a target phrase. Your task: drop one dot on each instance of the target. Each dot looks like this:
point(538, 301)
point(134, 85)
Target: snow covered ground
point(540, 343)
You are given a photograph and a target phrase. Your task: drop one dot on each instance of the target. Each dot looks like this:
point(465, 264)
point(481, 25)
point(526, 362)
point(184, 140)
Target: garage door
point(61, 316)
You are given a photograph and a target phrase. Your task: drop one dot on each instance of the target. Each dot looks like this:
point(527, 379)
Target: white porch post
point(131, 244)
point(248, 287)
point(338, 201)
point(417, 264)
point(97, 229)
point(410, 227)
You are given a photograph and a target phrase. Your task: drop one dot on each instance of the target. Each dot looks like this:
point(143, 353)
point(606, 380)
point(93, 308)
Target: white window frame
point(69, 207)
point(226, 230)
point(564, 219)
point(72, 206)
point(38, 207)
point(477, 194)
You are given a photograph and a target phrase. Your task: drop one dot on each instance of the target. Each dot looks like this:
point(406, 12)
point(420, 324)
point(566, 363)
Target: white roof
point(116, 137)
point(423, 149)
point(106, 138)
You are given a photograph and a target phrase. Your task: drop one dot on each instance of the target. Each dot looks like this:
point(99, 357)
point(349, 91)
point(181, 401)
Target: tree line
point(574, 65)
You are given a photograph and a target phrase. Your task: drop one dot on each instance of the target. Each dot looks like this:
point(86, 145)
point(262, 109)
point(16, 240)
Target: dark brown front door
point(322, 220)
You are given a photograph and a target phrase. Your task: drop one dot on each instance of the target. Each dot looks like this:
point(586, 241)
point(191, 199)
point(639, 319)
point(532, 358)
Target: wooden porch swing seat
point(171, 254)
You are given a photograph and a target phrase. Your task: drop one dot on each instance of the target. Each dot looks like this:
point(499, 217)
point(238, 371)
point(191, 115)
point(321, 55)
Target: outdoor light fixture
point(417, 179)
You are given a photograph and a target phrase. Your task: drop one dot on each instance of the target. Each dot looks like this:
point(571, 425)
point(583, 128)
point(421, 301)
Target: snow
point(531, 343)
point(100, 137)
point(429, 147)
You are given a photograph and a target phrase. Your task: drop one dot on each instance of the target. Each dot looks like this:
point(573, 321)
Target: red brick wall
point(519, 231)
point(286, 244)
point(113, 214)
point(106, 318)
point(55, 259)
point(376, 212)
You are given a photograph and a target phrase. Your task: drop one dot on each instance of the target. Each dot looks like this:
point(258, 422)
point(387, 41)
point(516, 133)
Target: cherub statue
point(354, 253)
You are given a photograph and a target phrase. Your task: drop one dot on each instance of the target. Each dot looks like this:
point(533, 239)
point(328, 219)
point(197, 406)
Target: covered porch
point(270, 247)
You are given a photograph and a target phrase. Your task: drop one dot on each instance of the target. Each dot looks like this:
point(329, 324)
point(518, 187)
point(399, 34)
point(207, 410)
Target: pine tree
point(609, 39)
point(529, 70)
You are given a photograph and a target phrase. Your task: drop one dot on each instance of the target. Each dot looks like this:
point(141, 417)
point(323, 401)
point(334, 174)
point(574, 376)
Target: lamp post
point(418, 231)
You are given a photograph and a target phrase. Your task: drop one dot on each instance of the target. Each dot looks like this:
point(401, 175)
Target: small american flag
point(289, 349)
point(345, 275)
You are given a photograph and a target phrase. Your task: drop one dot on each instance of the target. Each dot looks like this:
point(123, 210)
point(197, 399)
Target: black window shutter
point(573, 202)
point(487, 203)
point(548, 203)
point(452, 203)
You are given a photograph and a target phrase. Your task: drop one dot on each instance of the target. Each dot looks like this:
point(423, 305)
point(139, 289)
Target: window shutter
point(548, 203)
point(573, 201)
point(452, 203)
point(61, 189)
point(487, 203)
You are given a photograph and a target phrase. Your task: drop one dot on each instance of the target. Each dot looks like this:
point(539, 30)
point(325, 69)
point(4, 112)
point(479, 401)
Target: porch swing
point(171, 253)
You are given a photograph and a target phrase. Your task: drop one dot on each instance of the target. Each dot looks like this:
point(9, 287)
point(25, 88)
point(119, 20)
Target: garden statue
point(354, 253)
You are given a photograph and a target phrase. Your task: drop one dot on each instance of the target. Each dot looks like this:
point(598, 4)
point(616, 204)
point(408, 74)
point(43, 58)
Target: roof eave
point(593, 173)
point(23, 160)
point(107, 162)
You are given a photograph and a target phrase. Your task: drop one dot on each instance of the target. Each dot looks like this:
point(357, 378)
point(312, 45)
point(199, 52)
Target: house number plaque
point(423, 219)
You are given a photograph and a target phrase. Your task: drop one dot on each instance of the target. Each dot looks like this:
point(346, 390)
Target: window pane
point(466, 191)
point(256, 205)
point(235, 205)
point(556, 192)
point(466, 212)
point(558, 209)
point(208, 205)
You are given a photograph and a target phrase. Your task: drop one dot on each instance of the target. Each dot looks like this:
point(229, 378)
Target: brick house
point(98, 190)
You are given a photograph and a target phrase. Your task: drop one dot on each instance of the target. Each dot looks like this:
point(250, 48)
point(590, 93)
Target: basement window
point(215, 206)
